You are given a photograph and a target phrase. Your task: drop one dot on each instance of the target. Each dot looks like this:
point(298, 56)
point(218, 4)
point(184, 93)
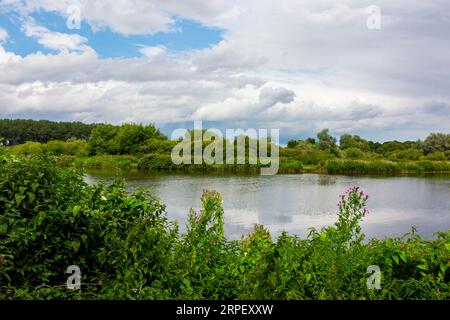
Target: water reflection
point(295, 203)
point(326, 180)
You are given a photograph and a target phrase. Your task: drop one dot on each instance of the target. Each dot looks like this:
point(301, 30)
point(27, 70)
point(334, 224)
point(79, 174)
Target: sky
point(380, 69)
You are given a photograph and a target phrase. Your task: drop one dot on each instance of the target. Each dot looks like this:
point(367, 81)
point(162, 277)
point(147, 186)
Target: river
point(297, 202)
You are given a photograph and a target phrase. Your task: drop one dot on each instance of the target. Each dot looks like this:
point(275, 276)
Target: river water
point(297, 202)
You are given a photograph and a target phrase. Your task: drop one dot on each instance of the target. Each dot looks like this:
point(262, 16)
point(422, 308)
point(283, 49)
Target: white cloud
point(55, 40)
point(130, 17)
point(297, 65)
point(152, 52)
point(3, 35)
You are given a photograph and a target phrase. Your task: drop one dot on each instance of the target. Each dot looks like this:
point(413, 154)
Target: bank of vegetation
point(126, 247)
point(144, 147)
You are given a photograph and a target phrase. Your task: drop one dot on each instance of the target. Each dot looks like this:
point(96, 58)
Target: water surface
point(295, 203)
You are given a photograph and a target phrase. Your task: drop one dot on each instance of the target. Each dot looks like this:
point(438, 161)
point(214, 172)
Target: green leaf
point(19, 198)
point(422, 266)
point(34, 186)
point(403, 256)
point(186, 282)
point(75, 245)
point(3, 228)
point(396, 259)
point(31, 196)
point(84, 238)
point(308, 277)
point(75, 211)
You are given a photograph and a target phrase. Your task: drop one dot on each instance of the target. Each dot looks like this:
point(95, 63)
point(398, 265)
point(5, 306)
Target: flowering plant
point(352, 208)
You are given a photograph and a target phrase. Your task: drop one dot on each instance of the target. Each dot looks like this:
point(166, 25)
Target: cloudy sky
point(299, 66)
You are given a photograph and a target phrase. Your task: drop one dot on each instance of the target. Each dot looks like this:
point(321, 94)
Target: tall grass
point(385, 167)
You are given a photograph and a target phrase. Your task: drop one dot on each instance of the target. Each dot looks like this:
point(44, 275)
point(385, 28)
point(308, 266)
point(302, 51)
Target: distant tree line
point(436, 146)
point(75, 138)
point(20, 131)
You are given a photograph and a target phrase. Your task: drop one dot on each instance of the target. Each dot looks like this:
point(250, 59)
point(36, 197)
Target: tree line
point(19, 131)
point(75, 138)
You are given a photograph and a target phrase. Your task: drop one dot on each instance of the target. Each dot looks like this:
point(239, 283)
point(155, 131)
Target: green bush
point(385, 167)
point(28, 149)
point(157, 162)
point(437, 156)
point(127, 249)
point(354, 153)
point(410, 154)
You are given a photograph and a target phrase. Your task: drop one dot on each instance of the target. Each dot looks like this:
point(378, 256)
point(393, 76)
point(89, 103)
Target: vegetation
point(20, 131)
point(126, 247)
point(386, 167)
point(135, 146)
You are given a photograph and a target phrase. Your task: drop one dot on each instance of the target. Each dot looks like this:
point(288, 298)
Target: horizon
point(283, 142)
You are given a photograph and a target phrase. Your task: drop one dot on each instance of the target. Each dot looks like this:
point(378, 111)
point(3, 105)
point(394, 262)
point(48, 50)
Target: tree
point(101, 140)
point(292, 143)
point(348, 141)
point(125, 139)
point(326, 141)
point(436, 142)
point(19, 131)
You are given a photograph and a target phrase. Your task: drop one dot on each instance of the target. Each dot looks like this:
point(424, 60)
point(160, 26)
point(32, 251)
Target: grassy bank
point(385, 167)
point(163, 163)
point(126, 248)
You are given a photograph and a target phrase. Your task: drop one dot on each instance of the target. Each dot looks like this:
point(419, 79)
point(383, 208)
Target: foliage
point(407, 154)
point(326, 141)
point(347, 141)
point(437, 142)
point(19, 131)
point(354, 153)
point(71, 147)
point(125, 139)
point(129, 146)
point(385, 167)
point(127, 249)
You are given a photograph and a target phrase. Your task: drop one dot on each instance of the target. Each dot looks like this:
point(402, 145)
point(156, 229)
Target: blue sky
point(187, 35)
point(299, 67)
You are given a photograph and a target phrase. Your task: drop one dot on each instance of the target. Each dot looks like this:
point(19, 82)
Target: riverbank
point(163, 163)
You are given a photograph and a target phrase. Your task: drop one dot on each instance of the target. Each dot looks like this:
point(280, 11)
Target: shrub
point(157, 162)
point(410, 154)
point(51, 219)
point(354, 153)
point(127, 249)
point(437, 156)
point(28, 149)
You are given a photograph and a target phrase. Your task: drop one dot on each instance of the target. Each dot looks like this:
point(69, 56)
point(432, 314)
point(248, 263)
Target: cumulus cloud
point(55, 40)
point(295, 65)
point(133, 17)
point(245, 103)
point(152, 52)
point(270, 96)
